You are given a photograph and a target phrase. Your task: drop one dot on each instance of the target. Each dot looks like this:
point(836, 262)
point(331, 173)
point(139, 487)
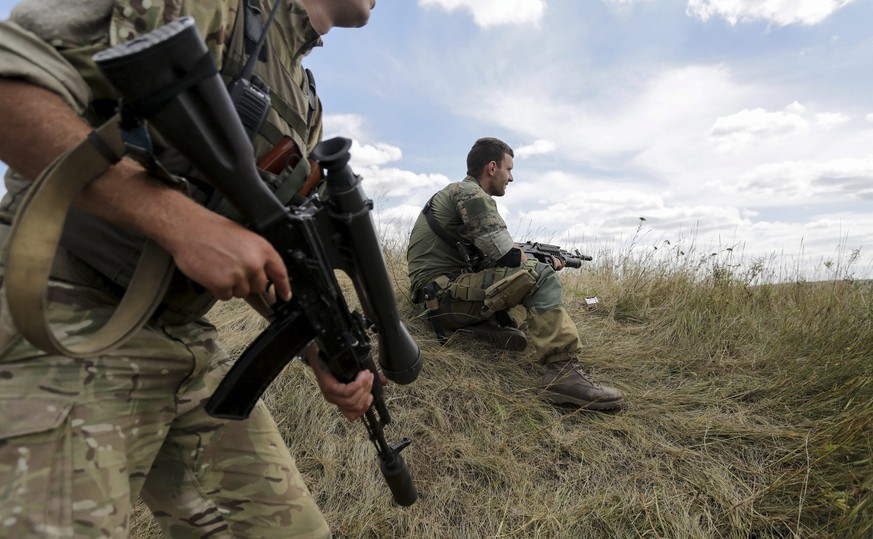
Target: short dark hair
point(483, 152)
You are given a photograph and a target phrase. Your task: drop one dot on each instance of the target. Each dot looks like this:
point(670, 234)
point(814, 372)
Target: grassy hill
point(750, 414)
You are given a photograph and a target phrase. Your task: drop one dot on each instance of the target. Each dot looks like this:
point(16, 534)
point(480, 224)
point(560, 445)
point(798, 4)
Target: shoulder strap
point(36, 232)
point(471, 254)
point(434, 225)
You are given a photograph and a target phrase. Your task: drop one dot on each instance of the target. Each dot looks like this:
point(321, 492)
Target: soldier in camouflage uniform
point(466, 287)
point(82, 439)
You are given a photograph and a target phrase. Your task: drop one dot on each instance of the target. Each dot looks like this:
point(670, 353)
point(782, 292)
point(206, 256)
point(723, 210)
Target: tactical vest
point(96, 253)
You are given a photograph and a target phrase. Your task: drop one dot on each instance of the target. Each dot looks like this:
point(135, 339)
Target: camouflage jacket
point(50, 43)
point(466, 213)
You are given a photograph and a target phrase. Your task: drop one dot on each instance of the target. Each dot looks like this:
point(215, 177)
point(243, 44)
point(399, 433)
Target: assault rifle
point(184, 99)
point(543, 252)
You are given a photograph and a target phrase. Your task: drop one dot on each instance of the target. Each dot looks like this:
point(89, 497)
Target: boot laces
point(577, 367)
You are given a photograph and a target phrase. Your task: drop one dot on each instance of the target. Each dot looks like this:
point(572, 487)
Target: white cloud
point(401, 212)
point(367, 155)
point(346, 125)
point(625, 6)
point(752, 126)
point(617, 212)
point(657, 121)
point(778, 12)
point(796, 108)
point(539, 147)
point(490, 13)
point(368, 160)
point(790, 181)
point(828, 120)
point(396, 182)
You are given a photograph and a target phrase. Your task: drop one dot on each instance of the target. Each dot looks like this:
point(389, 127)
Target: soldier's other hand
point(352, 399)
point(557, 263)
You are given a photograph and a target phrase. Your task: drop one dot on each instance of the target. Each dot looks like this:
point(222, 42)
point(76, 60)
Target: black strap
point(434, 225)
point(255, 27)
point(471, 254)
point(311, 94)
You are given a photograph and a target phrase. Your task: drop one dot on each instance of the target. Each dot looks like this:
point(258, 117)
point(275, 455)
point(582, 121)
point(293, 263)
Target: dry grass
point(750, 415)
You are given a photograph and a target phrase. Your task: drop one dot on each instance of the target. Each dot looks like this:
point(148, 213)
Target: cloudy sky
point(724, 124)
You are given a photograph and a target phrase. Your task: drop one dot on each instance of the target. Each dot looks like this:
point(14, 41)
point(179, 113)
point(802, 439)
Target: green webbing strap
point(286, 191)
point(36, 232)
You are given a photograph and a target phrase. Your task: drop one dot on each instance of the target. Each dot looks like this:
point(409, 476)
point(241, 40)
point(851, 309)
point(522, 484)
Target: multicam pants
point(550, 328)
point(81, 439)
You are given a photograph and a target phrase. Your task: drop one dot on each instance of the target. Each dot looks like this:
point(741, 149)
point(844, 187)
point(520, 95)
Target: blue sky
point(742, 124)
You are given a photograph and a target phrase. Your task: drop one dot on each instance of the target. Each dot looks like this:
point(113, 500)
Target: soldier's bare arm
point(221, 255)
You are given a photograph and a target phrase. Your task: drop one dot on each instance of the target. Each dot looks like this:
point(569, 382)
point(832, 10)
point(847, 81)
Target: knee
point(548, 292)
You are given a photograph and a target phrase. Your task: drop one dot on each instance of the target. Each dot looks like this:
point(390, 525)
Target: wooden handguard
point(286, 153)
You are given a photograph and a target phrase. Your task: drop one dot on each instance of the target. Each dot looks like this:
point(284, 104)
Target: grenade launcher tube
point(351, 216)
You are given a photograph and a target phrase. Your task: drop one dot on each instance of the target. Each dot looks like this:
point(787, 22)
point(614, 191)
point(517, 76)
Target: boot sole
point(558, 398)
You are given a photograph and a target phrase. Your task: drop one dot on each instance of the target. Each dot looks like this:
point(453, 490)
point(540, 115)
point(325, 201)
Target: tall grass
point(750, 414)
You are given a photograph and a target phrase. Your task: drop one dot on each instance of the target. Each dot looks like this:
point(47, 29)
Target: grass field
point(750, 415)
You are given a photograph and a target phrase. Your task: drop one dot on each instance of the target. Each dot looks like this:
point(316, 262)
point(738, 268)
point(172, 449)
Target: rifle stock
point(184, 99)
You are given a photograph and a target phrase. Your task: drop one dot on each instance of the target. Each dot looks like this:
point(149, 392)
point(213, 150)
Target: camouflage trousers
point(550, 328)
point(81, 439)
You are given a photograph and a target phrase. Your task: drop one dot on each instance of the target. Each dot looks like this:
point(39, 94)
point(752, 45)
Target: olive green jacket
point(467, 214)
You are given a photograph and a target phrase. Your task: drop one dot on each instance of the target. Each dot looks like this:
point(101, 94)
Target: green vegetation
point(750, 415)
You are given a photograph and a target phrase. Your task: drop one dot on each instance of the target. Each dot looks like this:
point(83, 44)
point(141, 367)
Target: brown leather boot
point(566, 383)
point(504, 338)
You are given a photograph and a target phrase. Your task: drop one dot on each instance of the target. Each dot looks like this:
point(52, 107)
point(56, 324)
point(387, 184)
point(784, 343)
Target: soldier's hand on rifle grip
point(223, 256)
point(556, 263)
point(352, 399)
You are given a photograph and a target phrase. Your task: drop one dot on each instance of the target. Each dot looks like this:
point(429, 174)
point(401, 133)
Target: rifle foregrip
point(279, 155)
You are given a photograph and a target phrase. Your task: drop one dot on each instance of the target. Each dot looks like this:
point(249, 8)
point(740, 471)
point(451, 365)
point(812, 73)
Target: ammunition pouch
point(496, 299)
point(508, 292)
point(463, 292)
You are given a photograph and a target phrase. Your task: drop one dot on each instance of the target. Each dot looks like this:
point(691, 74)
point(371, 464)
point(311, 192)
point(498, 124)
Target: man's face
point(326, 14)
point(499, 176)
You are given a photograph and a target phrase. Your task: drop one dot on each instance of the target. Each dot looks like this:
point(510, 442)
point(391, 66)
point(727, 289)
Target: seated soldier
point(460, 247)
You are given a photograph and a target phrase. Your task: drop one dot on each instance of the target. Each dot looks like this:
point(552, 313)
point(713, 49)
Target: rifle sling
point(464, 247)
point(434, 225)
point(33, 242)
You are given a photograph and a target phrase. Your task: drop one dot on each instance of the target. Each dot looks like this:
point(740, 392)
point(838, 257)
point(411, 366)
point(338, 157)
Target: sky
point(740, 130)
